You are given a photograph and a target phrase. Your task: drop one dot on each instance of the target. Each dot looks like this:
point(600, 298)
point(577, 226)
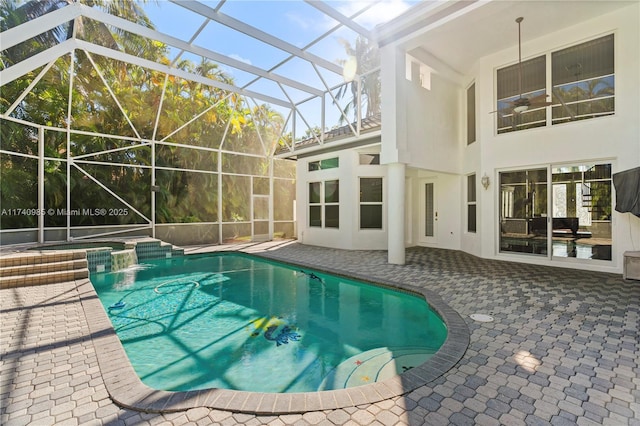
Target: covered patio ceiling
point(454, 39)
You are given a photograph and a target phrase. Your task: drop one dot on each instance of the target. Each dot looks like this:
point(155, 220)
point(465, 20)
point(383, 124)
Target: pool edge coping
point(127, 390)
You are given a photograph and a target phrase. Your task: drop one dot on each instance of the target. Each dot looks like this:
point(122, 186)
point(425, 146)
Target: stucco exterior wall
point(612, 138)
point(348, 235)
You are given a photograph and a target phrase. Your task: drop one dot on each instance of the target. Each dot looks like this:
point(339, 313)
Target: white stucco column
point(396, 213)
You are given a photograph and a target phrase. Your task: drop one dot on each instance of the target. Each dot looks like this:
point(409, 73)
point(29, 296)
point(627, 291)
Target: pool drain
point(481, 317)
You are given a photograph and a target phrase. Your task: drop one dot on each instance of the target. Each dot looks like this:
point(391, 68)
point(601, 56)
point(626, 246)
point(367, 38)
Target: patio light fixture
point(485, 181)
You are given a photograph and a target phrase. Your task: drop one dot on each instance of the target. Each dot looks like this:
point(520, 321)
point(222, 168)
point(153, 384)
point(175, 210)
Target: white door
point(428, 213)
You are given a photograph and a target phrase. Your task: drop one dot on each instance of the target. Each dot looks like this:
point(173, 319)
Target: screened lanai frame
point(257, 224)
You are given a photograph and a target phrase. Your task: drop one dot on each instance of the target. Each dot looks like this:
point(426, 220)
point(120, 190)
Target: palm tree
point(367, 57)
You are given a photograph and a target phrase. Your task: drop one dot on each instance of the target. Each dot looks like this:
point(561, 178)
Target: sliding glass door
point(579, 223)
point(523, 211)
point(581, 207)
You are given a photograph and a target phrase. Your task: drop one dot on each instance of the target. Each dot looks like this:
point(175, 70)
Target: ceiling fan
point(522, 103)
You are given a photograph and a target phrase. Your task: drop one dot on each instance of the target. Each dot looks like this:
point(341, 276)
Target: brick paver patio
point(564, 348)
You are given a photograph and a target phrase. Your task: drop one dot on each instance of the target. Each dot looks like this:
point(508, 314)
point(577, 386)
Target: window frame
point(472, 202)
point(324, 164)
point(549, 79)
point(471, 114)
point(322, 204)
point(362, 203)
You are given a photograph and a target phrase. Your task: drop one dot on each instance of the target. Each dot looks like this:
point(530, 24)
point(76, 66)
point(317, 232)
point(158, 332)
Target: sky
point(293, 21)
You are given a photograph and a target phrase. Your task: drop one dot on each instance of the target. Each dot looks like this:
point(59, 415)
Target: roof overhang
point(457, 33)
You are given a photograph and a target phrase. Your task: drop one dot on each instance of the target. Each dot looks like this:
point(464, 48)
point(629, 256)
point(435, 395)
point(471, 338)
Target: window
point(324, 197)
point(315, 206)
point(471, 203)
point(331, 204)
point(370, 203)
point(511, 87)
point(369, 159)
point(582, 86)
point(583, 81)
point(581, 208)
point(329, 163)
point(471, 114)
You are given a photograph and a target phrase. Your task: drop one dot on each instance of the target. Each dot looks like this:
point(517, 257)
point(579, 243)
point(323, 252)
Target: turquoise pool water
point(240, 322)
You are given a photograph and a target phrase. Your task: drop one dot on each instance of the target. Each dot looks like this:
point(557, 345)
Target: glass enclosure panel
point(55, 144)
point(132, 184)
point(236, 232)
point(17, 137)
point(18, 191)
point(261, 227)
point(179, 157)
point(284, 195)
point(236, 198)
point(260, 186)
point(47, 103)
point(55, 192)
point(92, 205)
point(261, 207)
point(284, 168)
point(244, 164)
point(581, 207)
point(121, 151)
point(186, 197)
point(283, 230)
point(523, 211)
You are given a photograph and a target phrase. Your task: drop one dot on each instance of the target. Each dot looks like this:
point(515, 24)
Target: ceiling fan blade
point(539, 98)
point(503, 113)
point(533, 105)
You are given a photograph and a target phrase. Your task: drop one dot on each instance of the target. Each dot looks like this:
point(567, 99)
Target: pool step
point(156, 249)
point(42, 268)
point(25, 269)
point(38, 257)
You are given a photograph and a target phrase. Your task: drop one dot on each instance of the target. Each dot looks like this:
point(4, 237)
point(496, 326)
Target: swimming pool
point(235, 321)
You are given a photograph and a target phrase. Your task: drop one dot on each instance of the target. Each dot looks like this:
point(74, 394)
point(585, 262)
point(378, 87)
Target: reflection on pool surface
point(239, 322)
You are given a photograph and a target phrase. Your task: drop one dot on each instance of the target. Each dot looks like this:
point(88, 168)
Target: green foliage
point(110, 97)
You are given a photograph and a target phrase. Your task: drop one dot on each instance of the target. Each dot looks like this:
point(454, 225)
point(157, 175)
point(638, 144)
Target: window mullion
point(549, 89)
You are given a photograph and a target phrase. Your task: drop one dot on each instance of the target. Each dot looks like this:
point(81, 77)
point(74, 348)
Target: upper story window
point(329, 163)
point(369, 159)
point(581, 86)
point(510, 89)
point(583, 80)
point(471, 114)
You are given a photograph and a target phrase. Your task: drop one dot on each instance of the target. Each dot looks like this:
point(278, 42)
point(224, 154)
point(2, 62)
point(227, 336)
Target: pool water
point(240, 322)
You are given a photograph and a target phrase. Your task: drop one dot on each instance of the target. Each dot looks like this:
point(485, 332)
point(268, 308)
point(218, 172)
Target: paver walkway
point(564, 348)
